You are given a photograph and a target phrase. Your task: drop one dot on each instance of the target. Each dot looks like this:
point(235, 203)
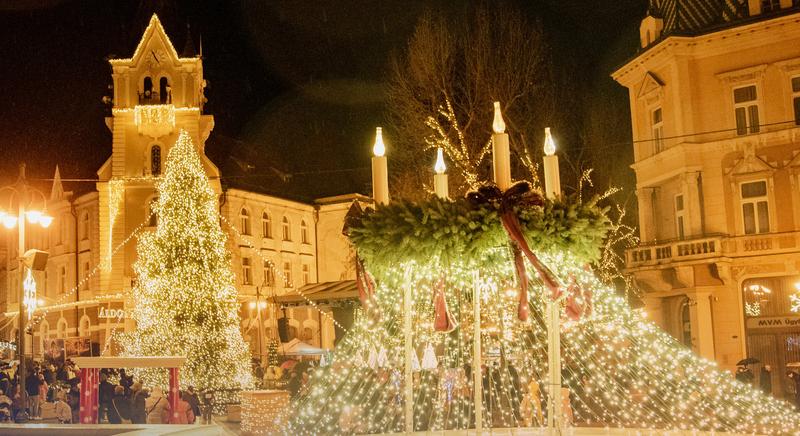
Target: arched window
point(84, 226)
point(287, 275)
point(148, 89)
point(244, 221)
point(61, 328)
point(83, 329)
point(266, 225)
point(304, 232)
point(287, 229)
point(163, 90)
point(155, 160)
point(152, 211)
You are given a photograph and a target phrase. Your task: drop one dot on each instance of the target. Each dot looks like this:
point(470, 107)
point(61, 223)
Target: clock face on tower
point(156, 58)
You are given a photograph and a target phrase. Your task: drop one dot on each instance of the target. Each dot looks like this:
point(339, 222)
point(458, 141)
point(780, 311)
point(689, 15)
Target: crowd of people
point(44, 383)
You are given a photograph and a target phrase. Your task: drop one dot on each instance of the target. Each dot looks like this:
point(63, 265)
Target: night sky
point(295, 87)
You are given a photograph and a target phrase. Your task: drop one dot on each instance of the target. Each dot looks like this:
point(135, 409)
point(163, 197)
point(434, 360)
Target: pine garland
point(441, 229)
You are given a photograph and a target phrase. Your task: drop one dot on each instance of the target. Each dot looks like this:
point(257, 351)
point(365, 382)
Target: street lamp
point(32, 259)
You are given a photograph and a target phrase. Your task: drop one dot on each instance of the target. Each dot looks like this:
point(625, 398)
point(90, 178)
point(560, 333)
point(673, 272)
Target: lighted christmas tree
point(619, 369)
point(185, 299)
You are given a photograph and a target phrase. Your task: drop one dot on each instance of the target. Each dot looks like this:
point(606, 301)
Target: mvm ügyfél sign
point(773, 322)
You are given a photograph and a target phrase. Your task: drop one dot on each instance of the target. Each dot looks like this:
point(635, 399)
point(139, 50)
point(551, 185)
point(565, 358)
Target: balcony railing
point(711, 246)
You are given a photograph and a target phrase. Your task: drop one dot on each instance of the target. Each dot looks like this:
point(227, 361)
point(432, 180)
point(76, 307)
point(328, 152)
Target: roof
point(130, 362)
point(296, 347)
point(690, 16)
point(325, 292)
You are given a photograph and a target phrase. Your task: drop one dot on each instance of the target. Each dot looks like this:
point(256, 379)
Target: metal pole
point(476, 355)
point(554, 413)
point(409, 348)
point(260, 327)
point(23, 315)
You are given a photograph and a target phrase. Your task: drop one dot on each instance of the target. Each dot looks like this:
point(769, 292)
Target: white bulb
point(33, 216)
point(9, 221)
point(378, 149)
point(45, 221)
point(440, 168)
point(549, 144)
point(498, 125)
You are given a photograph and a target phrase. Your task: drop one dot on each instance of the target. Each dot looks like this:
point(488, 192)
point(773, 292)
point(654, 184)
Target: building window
point(269, 274)
point(244, 221)
point(755, 207)
point(304, 232)
point(306, 275)
point(155, 160)
point(796, 99)
point(770, 6)
point(153, 212)
point(86, 269)
point(746, 110)
point(62, 280)
point(247, 273)
point(287, 274)
point(287, 229)
point(83, 228)
point(658, 130)
point(680, 215)
point(266, 226)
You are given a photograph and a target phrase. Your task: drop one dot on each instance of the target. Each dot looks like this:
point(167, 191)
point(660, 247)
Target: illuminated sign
point(773, 322)
point(117, 314)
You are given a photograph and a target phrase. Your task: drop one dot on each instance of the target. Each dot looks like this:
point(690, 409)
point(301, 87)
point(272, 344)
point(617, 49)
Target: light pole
point(23, 194)
point(258, 307)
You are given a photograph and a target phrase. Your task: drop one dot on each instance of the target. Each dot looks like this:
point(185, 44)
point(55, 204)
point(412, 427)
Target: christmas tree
point(185, 300)
point(618, 369)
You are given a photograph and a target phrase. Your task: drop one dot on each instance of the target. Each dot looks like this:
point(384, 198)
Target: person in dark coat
point(74, 401)
point(191, 397)
point(105, 394)
point(795, 377)
point(138, 410)
point(126, 381)
point(119, 408)
point(765, 380)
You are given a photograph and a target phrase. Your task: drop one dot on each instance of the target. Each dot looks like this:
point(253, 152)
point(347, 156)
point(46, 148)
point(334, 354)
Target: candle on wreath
point(501, 157)
point(440, 186)
point(380, 171)
point(552, 180)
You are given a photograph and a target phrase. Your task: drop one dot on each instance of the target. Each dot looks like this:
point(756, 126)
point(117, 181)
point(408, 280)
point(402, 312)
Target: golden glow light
point(45, 220)
point(498, 125)
point(439, 167)
point(9, 221)
point(29, 297)
point(379, 149)
point(549, 144)
point(33, 216)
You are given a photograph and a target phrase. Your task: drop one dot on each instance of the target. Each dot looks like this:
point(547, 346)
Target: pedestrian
point(105, 395)
point(5, 407)
point(17, 405)
point(126, 381)
point(744, 375)
point(181, 415)
point(63, 411)
point(765, 380)
point(191, 398)
point(120, 406)
point(32, 385)
point(138, 399)
point(795, 377)
point(74, 401)
point(155, 406)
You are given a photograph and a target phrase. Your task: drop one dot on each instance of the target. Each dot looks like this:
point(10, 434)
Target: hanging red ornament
point(442, 319)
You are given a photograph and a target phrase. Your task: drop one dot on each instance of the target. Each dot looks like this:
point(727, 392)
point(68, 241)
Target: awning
point(327, 293)
point(296, 347)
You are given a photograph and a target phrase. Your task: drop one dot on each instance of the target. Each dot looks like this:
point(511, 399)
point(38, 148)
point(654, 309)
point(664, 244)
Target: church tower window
point(155, 160)
point(164, 91)
point(148, 90)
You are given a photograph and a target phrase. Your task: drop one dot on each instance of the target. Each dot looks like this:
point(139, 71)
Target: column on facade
point(327, 329)
point(646, 214)
point(694, 203)
point(702, 324)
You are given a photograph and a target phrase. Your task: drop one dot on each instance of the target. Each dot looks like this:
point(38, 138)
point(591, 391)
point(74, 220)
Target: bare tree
point(442, 88)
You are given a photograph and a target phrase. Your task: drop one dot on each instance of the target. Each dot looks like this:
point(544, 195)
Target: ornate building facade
point(278, 246)
point(715, 109)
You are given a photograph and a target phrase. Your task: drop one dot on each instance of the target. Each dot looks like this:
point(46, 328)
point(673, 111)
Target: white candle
point(501, 158)
point(440, 177)
point(380, 171)
point(552, 180)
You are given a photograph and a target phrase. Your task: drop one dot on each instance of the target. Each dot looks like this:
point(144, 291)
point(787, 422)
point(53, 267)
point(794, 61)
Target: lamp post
point(23, 194)
point(258, 306)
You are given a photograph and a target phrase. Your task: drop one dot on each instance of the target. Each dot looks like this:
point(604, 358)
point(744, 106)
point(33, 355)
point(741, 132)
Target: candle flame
point(440, 168)
point(378, 149)
point(498, 125)
point(549, 144)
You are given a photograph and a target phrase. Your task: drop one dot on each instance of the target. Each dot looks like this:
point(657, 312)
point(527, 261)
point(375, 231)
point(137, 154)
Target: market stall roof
point(320, 293)
point(130, 362)
point(296, 347)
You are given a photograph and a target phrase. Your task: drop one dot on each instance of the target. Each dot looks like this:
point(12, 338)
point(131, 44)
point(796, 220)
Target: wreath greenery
point(442, 229)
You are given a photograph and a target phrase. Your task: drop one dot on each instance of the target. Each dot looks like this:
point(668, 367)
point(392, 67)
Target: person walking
point(138, 399)
point(120, 406)
point(765, 380)
point(105, 394)
point(194, 402)
point(32, 385)
point(181, 415)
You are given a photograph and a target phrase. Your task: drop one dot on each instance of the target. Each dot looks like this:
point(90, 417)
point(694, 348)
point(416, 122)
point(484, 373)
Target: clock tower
point(157, 94)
